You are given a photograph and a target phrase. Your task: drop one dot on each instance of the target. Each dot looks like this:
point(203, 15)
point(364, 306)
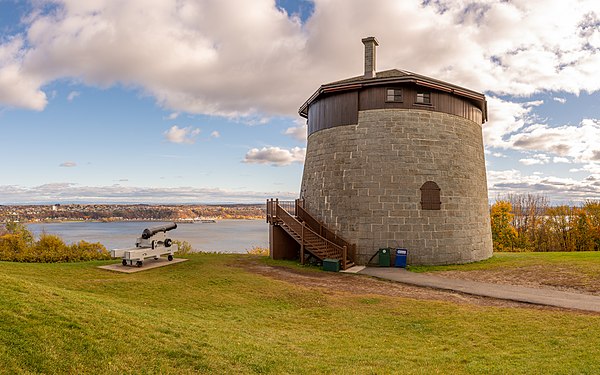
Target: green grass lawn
point(206, 316)
point(584, 261)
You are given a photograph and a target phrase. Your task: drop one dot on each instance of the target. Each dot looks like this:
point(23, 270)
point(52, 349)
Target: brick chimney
point(370, 46)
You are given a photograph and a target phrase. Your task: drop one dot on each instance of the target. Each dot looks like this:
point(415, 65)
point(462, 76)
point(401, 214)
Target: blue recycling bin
point(401, 255)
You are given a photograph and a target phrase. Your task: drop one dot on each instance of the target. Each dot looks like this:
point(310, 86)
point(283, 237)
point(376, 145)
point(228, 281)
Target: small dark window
point(430, 196)
point(423, 97)
point(393, 95)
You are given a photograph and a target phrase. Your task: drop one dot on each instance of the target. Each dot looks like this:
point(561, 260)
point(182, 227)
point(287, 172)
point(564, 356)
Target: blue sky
point(195, 101)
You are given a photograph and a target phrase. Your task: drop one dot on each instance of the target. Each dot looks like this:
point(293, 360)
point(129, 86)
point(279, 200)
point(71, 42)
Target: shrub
point(185, 247)
point(257, 250)
point(18, 245)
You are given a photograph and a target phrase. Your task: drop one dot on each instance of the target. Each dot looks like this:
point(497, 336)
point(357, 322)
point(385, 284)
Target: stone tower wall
point(364, 181)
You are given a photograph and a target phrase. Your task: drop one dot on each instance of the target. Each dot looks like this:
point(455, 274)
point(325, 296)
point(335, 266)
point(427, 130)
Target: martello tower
point(396, 159)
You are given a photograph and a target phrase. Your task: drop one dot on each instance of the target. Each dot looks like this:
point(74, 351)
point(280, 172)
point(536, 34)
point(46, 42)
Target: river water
point(228, 236)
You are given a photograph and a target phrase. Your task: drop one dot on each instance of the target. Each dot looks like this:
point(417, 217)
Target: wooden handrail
point(309, 236)
point(322, 230)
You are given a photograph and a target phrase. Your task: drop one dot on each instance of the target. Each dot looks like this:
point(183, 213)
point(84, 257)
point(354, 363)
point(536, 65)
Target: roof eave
point(418, 80)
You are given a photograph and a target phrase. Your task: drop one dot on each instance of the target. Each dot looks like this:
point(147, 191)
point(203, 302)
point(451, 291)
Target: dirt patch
point(331, 283)
point(556, 277)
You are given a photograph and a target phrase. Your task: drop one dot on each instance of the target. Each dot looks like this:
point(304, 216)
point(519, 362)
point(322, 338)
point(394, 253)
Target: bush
point(18, 245)
point(184, 248)
point(257, 250)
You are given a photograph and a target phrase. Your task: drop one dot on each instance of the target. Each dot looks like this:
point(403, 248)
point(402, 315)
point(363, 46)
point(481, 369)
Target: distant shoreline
point(59, 213)
point(132, 221)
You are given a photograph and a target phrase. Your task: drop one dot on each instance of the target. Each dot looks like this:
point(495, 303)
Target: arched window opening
point(430, 196)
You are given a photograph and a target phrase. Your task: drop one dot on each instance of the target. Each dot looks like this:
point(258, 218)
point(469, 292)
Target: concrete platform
point(538, 296)
point(354, 269)
point(148, 265)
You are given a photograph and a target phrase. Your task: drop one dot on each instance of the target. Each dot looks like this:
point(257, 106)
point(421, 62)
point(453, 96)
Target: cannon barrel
point(149, 232)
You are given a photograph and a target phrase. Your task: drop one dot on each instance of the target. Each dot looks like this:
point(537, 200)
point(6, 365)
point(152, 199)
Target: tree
point(504, 234)
point(592, 210)
point(583, 231)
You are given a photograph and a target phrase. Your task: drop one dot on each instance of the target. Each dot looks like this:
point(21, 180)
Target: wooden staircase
point(312, 236)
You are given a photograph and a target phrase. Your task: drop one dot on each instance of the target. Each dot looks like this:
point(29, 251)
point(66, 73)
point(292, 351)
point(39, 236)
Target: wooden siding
point(342, 108)
point(333, 110)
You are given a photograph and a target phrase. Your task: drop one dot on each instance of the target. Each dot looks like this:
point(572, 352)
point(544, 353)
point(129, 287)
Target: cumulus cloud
point(215, 134)
point(172, 116)
point(19, 88)
point(275, 156)
point(248, 58)
point(506, 118)
point(72, 95)
point(182, 135)
point(557, 189)
point(536, 159)
point(297, 132)
point(560, 100)
point(68, 164)
point(69, 192)
point(579, 142)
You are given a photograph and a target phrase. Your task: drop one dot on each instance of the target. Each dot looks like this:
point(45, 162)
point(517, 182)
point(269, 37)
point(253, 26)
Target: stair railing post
point(302, 245)
point(344, 256)
point(268, 210)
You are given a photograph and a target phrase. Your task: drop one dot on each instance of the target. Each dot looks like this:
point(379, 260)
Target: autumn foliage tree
point(504, 234)
point(528, 223)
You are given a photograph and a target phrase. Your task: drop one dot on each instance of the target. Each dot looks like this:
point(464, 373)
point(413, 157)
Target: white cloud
point(560, 100)
point(557, 189)
point(182, 135)
point(506, 118)
point(297, 132)
point(275, 156)
point(215, 134)
point(536, 159)
point(172, 116)
point(558, 159)
point(72, 95)
point(18, 88)
point(579, 142)
point(68, 164)
point(248, 58)
point(69, 192)
point(530, 161)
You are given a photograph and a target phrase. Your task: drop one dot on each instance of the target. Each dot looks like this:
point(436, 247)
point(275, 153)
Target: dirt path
point(332, 283)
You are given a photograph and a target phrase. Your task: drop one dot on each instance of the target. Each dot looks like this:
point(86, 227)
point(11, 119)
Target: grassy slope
point(206, 316)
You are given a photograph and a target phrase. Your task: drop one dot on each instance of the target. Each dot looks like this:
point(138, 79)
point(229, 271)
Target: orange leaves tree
point(529, 223)
point(504, 234)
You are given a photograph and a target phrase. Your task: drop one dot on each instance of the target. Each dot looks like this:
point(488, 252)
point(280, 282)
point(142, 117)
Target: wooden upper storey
point(338, 103)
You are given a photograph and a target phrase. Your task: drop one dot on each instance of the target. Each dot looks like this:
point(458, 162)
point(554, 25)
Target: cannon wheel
point(124, 262)
point(139, 263)
point(170, 257)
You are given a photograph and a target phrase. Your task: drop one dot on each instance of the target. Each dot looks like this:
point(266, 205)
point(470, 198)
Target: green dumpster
point(385, 257)
point(332, 265)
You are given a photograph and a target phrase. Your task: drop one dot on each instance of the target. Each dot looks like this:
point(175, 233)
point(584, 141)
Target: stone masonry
point(364, 180)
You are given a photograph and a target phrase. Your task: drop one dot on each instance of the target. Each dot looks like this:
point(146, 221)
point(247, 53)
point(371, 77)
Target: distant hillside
point(64, 212)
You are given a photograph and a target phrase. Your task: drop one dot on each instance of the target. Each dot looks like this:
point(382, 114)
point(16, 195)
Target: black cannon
point(149, 232)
